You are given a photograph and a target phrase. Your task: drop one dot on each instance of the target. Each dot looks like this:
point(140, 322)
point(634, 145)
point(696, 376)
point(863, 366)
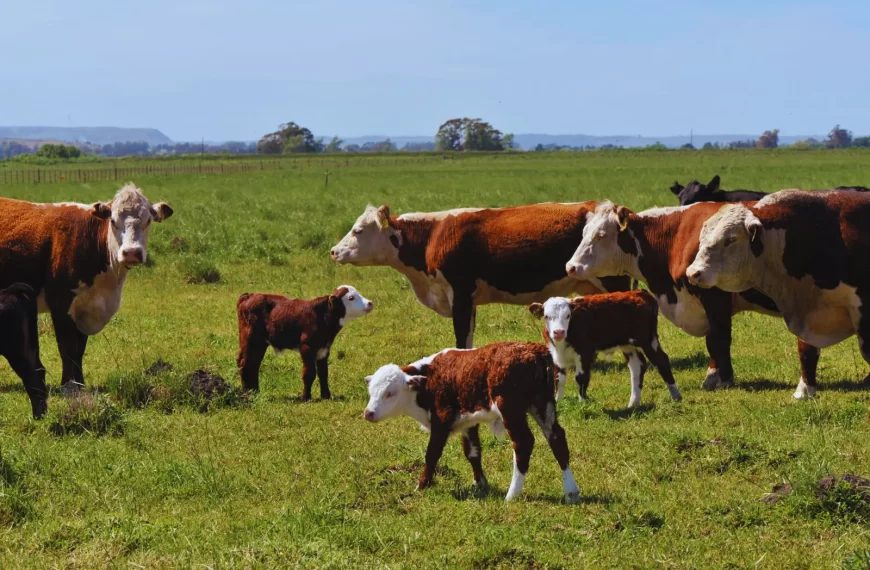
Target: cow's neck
point(647, 245)
point(415, 236)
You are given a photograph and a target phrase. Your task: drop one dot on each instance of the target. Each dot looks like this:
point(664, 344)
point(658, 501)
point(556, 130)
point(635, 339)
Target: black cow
point(696, 191)
point(19, 342)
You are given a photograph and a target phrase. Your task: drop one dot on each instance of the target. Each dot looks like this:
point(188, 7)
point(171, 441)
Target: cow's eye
point(114, 224)
point(388, 395)
point(350, 297)
point(357, 231)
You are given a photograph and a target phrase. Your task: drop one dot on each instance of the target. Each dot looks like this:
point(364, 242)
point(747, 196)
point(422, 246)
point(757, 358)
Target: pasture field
point(274, 482)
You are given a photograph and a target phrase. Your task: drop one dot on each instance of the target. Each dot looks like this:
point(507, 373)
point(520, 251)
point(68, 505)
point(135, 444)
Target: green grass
point(275, 482)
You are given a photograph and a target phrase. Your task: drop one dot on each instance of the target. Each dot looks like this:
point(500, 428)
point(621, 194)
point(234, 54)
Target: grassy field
point(275, 482)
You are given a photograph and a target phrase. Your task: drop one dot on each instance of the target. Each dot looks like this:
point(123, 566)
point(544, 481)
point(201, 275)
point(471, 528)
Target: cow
point(76, 257)
point(656, 246)
point(308, 326)
point(576, 329)
point(456, 390)
point(19, 342)
point(695, 191)
point(808, 251)
point(457, 260)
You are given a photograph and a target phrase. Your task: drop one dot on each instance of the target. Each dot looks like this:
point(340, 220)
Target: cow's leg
point(720, 373)
point(71, 343)
point(464, 317)
point(323, 376)
point(561, 377)
point(582, 373)
point(660, 360)
point(472, 449)
point(636, 370)
point(864, 331)
point(252, 349)
point(437, 441)
point(809, 357)
point(545, 415)
point(309, 370)
point(518, 429)
point(32, 374)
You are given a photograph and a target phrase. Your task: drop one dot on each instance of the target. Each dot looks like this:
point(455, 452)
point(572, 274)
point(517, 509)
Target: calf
point(19, 342)
point(456, 390)
point(294, 324)
point(695, 191)
point(576, 329)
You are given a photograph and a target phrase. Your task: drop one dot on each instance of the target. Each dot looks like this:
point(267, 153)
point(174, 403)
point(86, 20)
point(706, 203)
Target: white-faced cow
point(76, 257)
point(456, 390)
point(808, 251)
point(459, 259)
point(656, 247)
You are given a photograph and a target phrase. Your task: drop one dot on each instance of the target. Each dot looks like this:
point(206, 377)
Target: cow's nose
point(558, 334)
point(369, 305)
point(369, 415)
point(694, 276)
point(132, 255)
point(571, 269)
point(333, 253)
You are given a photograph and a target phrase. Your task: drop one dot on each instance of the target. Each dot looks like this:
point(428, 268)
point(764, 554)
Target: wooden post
point(326, 184)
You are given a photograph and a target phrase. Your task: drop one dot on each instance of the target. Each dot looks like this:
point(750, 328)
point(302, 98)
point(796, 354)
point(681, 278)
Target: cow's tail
point(21, 290)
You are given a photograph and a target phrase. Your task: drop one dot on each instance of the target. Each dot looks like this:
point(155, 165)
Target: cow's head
point(392, 393)
point(730, 241)
point(130, 215)
point(696, 191)
point(556, 313)
point(371, 240)
point(599, 254)
point(349, 304)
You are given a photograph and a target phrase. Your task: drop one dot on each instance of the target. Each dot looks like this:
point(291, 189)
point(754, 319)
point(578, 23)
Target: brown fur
point(19, 342)
point(515, 376)
point(288, 324)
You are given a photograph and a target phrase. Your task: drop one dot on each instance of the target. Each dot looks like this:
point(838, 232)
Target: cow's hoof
point(39, 410)
point(572, 498)
point(675, 394)
point(325, 395)
point(634, 402)
point(481, 486)
point(725, 385)
point(712, 381)
point(71, 388)
point(804, 391)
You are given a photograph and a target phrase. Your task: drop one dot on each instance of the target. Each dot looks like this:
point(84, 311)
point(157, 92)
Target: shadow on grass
point(11, 387)
point(497, 493)
point(297, 399)
point(627, 413)
point(768, 385)
point(697, 361)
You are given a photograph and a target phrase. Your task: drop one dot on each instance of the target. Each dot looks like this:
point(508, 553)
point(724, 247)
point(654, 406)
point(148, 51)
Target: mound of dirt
point(777, 493)
point(206, 385)
point(858, 484)
point(158, 367)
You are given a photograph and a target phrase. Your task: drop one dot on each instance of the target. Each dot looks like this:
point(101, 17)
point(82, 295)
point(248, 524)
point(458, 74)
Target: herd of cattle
point(804, 256)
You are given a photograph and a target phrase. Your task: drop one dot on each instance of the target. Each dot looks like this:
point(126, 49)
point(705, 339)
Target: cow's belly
point(94, 306)
point(434, 292)
point(687, 313)
point(484, 293)
point(832, 318)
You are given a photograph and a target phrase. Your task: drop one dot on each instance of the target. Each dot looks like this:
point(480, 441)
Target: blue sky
point(233, 70)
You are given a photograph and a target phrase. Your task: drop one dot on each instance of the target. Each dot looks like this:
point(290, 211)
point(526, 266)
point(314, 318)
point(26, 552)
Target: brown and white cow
point(457, 260)
point(808, 251)
point(76, 257)
point(656, 246)
point(456, 390)
point(19, 342)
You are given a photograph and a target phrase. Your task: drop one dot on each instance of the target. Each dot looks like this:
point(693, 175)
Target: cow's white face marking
point(557, 318)
point(725, 259)
point(355, 305)
point(598, 254)
point(391, 395)
point(130, 215)
point(368, 242)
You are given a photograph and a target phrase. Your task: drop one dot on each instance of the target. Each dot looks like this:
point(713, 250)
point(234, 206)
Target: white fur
point(94, 306)
point(437, 215)
point(517, 481)
point(569, 486)
point(322, 353)
point(427, 360)
point(635, 368)
point(355, 305)
point(804, 390)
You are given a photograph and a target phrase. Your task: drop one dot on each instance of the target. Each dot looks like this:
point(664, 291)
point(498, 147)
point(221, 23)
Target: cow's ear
point(333, 299)
point(102, 210)
point(576, 302)
point(677, 188)
point(537, 309)
point(160, 211)
point(713, 185)
point(384, 217)
point(368, 380)
point(755, 229)
point(416, 383)
point(622, 216)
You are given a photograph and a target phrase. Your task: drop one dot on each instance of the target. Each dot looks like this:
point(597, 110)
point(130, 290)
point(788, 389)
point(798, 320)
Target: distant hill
point(93, 135)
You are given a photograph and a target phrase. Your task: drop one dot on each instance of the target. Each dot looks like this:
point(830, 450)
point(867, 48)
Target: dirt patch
point(178, 243)
point(859, 485)
point(159, 367)
point(208, 386)
point(777, 493)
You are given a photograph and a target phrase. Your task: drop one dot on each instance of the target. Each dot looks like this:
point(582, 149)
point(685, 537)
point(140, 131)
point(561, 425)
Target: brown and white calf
point(577, 329)
point(456, 390)
point(457, 260)
point(19, 342)
point(656, 246)
point(308, 326)
point(76, 257)
point(808, 251)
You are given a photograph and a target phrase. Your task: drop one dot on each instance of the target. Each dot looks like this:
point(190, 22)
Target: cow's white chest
point(484, 293)
point(563, 354)
point(491, 417)
point(434, 292)
point(687, 313)
point(94, 306)
point(827, 317)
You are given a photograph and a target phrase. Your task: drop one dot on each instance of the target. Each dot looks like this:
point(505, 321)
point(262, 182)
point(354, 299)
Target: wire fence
point(52, 175)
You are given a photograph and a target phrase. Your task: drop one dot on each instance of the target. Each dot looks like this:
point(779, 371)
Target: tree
point(742, 144)
point(839, 138)
point(768, 139)
point(507, 141)
point(58, 151)
point(468, 134)
point(861, 141)
point(334, 145)
point(657, 146)
point(688, 146)
point(289, 138)
point(710, 146)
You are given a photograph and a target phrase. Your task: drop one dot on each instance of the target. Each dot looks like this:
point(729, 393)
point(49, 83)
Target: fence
point(51, 175)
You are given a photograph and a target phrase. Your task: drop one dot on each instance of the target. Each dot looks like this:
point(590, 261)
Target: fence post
point(38, 176)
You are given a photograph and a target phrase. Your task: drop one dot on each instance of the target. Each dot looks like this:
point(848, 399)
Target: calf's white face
point(355, 305)
point(725, 259)
point(598, 254)
point(556, 313)
point(130, 215)
point(371, 240)
point(391, 393)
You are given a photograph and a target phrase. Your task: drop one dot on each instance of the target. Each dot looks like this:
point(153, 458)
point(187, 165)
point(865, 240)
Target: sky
point(230, 70)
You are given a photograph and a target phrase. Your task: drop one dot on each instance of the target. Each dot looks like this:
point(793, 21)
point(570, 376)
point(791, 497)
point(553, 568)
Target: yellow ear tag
point(385, 223)
point(623, 225)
